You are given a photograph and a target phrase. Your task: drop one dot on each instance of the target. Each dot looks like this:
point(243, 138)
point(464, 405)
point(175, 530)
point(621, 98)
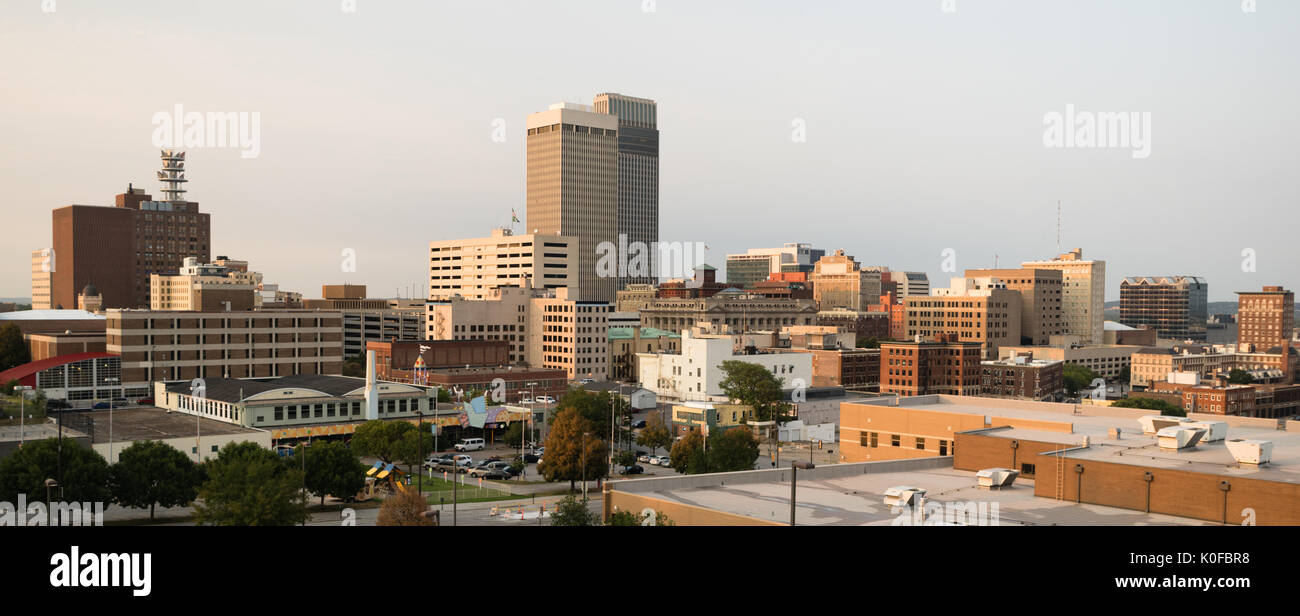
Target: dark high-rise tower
point(638, 172)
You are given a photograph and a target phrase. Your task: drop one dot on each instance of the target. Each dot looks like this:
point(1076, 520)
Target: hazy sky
point(924, 128)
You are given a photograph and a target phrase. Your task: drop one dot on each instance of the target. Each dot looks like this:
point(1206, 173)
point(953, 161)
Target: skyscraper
point(1175, 306)
point(1265, 319)
point(1083, 294)
point(638, 172)
point(573, 187)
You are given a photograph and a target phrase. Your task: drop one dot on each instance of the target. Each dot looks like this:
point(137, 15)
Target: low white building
point(696, 372)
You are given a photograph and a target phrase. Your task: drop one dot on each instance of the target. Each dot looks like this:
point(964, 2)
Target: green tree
point(631, 518)
point(564, 450)
point(85, 472)
point(332, 468)
point(13, 350)
point(1152, 404)
point(734, 449)
point(573, 511)
point(382, 439)
point(151, 473)
point(757, 387)
point(655, 434)
point(687, 455)
point(1240, 377)
point(595, 407)
point(1078, 377)
point(516, 431)
point(869, 343)
point(250, 486)
point(625, 458)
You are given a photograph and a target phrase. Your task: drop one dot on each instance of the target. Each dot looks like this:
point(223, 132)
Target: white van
point(470, 444)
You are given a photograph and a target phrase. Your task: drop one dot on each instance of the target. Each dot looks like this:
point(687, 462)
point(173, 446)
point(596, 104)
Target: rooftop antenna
point(1058, 227)
point(173, 176)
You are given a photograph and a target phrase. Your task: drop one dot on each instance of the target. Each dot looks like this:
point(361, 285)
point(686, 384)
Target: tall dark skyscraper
point(638, 171)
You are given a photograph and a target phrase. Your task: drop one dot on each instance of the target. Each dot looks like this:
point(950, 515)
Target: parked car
point(664, 461)
point(470, 444)
point(530, 458)
point(487, 469)
point(526, 400)
point(100, 405)
point(652, 460)
point(643, 458)
point(640, 423)
point(585, 381)
point(545, 400)
point(145, 401)
point(496, 473)
point(635, 469)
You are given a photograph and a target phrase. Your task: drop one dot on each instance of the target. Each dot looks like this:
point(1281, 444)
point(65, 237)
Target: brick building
point(940, 366)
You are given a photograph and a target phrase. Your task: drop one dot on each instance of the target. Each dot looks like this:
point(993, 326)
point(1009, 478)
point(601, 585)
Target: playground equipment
point(384, 476)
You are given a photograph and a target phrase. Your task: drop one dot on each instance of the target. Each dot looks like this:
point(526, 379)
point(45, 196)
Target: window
point(865, 439)
point(895, 440)
point(875, 439)
point(1026, 469)
point(943, 448)
point(920, 443)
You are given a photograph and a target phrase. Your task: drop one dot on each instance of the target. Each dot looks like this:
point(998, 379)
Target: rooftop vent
point(904, 496)
point(1152, 424)
point(996, 477)
point(1214, 430)
point(1175, 438)
point(1249, 451)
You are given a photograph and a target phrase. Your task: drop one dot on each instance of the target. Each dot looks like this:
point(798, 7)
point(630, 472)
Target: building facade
point(696, 372)
point(1024, 378)
point(1040, 293)
point(1175, 306)
point(939, 366)
point(472, 267)
point(1083, 293)
point(839, 282)
point(739, 312)
point(1265, 318)
point(638, 171)
point(981, 312)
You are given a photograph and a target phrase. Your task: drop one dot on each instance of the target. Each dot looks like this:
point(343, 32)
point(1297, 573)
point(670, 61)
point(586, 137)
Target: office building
point(1108, 360)
point(368, 320)
point(42, 262)
point(175, 346)
point(573, 187)
point(939, 365)
point(1265, 318)
point(696, 372)
point(1175, 306)
point(1083, 293)
point(202, 287)
point(471, 267)
point(1024, 377)
point(1040, 293)
point(638, 171)
point(738, 311)
point(978, 310)
point(743, 270)
point(839, 282)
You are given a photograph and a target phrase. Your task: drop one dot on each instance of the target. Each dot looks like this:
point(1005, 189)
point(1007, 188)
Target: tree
point(382, 439)
point(572, 511)
point(592, 406)
point(1152, 404)
point(630, 518)
point(85, 472)
point(151, 473)
point(625, 458)
point(564, 450)
point(687, 455)
point(404, 509)
point(1240, 377)
point(734, 449)
point(332, 468)
point(13, 350)
point(516, 432)
point(869, 343)
point(249, 486)
point(1078, 377)
point(757, 387)
point(655, 434)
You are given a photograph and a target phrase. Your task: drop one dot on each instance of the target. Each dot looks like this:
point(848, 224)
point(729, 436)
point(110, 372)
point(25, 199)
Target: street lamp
point(22, 412)
point(584, 465)
point(794, 479)
point(110, 379)
point(50, 484)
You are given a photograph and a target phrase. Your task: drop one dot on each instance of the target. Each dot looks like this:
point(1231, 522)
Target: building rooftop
point(624, 333)
point(50, 315)
point(231, 390)
point(155, 424)
point(1092, 424)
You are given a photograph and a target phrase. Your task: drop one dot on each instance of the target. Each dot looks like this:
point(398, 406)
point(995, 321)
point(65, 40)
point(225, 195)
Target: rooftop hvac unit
point(996, 477)
point(1249, 451)
point(1214, 430)
point(1179, 438)
point(1152, 424)
point(903, 496)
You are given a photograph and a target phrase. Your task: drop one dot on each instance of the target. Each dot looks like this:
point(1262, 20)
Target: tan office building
point(1040, 299)
point(839, 282)
point(573, 187)
point(472, 267)
point(1265, 319)
point(974, 309)
point(42, 265)
point(740, 312)
point(171, 345)
point(201, 287)
point(1083, 293)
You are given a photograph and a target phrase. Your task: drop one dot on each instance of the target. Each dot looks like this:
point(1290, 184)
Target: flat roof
point(50, 315)
point(1132, 447)
point(151, 424)
point(859, 501)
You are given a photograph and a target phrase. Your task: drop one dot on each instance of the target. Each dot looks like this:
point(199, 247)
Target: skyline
point(379, 128)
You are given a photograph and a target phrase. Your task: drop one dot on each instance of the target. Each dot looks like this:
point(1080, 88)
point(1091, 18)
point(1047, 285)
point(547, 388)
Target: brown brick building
point(848, 368)
point(942, 366)
point(1022, 377)
point(394, 360)
point(993, 320)
point(118, 248)
point(1265, 319)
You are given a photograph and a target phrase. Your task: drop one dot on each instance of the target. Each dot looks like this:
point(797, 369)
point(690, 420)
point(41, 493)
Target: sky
point(901, 131)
